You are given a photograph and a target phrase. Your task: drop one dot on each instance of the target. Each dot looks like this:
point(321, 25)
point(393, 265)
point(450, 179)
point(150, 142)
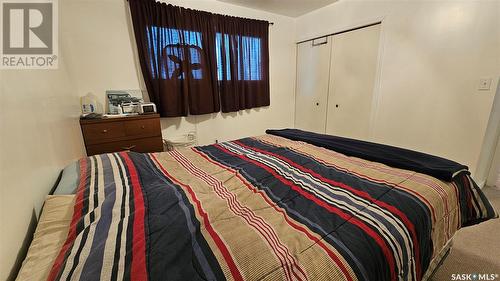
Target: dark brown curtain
point(176, 57)
point(243, 62)
point(193, 61)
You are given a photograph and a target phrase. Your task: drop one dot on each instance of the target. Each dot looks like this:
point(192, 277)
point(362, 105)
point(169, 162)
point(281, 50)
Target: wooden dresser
point(139, 133)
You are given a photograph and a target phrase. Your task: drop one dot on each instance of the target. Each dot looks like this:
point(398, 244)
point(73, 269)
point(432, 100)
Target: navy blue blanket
point(396, 157)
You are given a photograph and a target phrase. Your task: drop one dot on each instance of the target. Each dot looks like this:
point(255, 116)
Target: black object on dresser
point(139, 133)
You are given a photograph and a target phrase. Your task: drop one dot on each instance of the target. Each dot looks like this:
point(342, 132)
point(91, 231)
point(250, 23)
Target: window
point(248, 52)
point(174, 43)
point(196, 62)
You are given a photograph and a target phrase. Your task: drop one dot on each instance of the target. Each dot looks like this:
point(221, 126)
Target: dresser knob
point(128, 147)
point(104, 131)
point(143, 127)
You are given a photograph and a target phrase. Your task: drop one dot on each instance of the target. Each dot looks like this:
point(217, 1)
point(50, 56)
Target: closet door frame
point(380, 57)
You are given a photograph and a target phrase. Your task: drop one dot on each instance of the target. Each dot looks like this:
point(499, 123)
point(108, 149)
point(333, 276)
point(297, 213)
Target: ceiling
point(291, 8)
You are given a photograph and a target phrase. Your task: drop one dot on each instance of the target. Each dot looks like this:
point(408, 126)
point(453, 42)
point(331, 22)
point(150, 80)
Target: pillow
point(69, 180)
point(50, 235)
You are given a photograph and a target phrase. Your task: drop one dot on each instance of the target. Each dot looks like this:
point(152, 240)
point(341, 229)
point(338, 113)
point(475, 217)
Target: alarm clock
point(147, 108)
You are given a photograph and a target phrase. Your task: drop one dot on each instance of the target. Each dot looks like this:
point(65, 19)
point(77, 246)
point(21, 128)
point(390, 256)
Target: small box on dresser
point(139, 133)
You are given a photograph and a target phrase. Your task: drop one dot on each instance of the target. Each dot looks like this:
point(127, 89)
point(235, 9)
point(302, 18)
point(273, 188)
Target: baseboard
point(481, 184)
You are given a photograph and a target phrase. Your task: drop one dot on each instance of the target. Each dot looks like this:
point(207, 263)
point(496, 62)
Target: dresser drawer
point(102, 132)
point(153, 144)
point(139, 133)
point(146, 127)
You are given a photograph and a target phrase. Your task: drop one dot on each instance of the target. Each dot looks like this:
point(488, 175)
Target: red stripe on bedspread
point(390, 208)
point(215, 236)
point(288, 262)
point(390, 171)
point(330, 253)
point(138, 270)
point(77, 214)
point(353, 220)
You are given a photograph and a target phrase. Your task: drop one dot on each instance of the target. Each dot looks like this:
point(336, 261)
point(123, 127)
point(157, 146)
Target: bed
point(288, 205)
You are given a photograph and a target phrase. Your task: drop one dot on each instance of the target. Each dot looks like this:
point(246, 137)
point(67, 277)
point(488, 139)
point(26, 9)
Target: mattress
point(262, 208)
point(41, 256)
point(56, 217)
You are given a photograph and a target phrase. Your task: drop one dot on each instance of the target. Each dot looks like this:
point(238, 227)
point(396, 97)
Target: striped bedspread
point(263, 208)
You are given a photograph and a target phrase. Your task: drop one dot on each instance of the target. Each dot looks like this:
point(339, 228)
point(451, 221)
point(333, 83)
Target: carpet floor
point(476, 249)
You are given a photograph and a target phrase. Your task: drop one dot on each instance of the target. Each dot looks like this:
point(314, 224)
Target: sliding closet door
point(313, 63)
point(352, 80)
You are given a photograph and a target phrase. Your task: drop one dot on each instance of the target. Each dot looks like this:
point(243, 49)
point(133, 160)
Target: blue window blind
point(174, 43)
point(248, 51)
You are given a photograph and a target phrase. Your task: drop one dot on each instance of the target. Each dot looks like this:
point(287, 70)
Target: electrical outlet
point(191, 136)
point(484, 84)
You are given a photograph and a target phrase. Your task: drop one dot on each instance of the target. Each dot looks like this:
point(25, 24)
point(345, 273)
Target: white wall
point(96, 40)
point(101, 55)
point(433, 54)
point(39, 135)
point(494, 176)
point(489, 160)
point(494, 173)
